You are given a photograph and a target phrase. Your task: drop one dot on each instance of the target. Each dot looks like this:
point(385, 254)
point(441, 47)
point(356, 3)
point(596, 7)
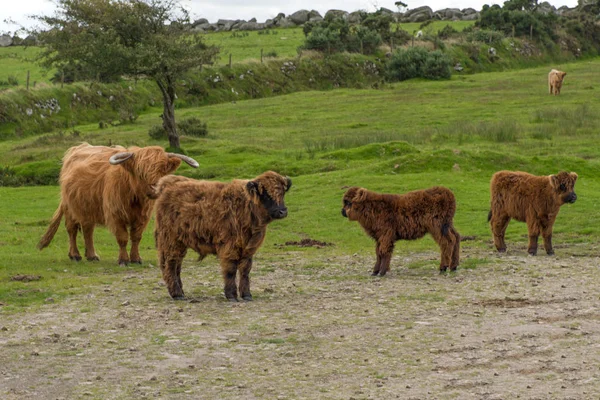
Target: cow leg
point(384, 250)
point(244, 267)
point(72, 229)
point(136, 230)
point(229, 271)
point(447, 245)
point(534, 232)
point(499, 223)
point(547, 235)
point(88, 237)
point(170, 265)
point(122, 236)
point(455, 260)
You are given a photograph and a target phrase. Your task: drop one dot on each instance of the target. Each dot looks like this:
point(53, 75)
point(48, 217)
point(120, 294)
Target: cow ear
point(574, 176)
point(360, 195)
point(553, 181)
point(252, 187)
point(288, 182)
point(172, 165)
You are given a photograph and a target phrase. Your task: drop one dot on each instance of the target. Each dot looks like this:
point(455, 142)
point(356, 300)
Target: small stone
point(82, 329)
point(408, 386)
point(4, 329)
point(125, 303)
point(153, 378)
point(49, 300)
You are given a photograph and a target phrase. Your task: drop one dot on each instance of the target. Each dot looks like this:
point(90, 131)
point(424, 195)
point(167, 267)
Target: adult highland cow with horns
point(109, 186)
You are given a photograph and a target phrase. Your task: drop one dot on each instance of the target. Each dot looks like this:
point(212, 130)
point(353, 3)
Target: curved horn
point(189, 160)
point(120, 158)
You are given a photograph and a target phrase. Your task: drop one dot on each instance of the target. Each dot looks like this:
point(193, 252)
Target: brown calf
point(388, 218)
point(226, 219)
point(108, 186)
point(535, 200)
point(555, 80)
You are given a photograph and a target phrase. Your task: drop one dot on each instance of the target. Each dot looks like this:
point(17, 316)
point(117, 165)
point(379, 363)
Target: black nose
point(573, 197)
point(344, 213)
point(281, 213)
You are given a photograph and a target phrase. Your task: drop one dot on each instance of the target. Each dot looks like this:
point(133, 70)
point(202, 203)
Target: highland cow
point(388, 218)
point(109, 186)
point(535, 200)
point(555, 80)
point(226, 219)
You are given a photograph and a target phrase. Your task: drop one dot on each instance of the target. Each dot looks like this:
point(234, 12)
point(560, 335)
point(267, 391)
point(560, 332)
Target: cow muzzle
point(571, 198)
point(344, 213)
point(279, 213)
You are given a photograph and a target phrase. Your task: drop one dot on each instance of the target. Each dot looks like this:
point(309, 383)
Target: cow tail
point(490, 216)
point(54, 224)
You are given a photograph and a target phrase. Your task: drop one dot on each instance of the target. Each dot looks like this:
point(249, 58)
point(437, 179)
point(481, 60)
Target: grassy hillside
point(403, 137)
point(14, 64)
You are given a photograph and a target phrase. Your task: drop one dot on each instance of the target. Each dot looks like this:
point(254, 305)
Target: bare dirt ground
point(503, 327)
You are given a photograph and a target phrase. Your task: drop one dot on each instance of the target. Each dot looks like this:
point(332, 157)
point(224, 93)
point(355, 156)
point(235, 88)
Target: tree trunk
point(167, 88)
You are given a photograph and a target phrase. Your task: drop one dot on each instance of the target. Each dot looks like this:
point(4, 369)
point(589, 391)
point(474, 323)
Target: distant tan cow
point(555, 80)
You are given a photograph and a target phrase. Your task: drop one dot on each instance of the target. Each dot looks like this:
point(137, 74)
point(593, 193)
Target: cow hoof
point(75, 258)
point(136, 261)
point(502, 250)
point(382, 273)
point(532, 253)
point(93, 258)
point(232, 299)
point(375, 273)
point(178, 297)
point(453, 269)
point(247, 297)
point(550, 253)
point(123, 263)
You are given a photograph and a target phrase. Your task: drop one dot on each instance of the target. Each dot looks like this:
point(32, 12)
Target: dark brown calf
point(388, 218)
point(226, 219)
point(535, 200)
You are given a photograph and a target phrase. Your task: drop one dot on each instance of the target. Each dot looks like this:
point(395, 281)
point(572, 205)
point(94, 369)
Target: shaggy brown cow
point(535, 200)
point(109, 186)
point(555, 80)
point(226, 219)
point(388, 218)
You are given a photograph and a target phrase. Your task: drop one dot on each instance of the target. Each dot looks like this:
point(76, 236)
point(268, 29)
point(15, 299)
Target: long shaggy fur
point(535, 200)
point(226, 219)
point(388, 218)
point(555, 81)
point(94, 192)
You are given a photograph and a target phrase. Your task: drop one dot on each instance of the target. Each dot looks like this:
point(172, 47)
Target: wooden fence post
point(261, 55)
point(27, 79)
point(229, 60)
point(62, 79)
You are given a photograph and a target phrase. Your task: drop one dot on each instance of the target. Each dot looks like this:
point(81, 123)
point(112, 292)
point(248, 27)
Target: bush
point(157, 132)
point(417, 62)
point(193, 127)
point(437, 66)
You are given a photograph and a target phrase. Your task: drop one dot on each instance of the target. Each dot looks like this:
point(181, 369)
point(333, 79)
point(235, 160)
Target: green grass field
point(411, 135)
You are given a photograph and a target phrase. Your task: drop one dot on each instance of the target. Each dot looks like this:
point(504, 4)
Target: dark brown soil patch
point(25, 278)
point(308, 243)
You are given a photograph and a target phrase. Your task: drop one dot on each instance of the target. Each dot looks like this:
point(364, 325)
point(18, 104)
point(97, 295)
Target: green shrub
point(193, 127)
point(157, 132)
point(417, 62)
point(437, 66)
point(406, 64)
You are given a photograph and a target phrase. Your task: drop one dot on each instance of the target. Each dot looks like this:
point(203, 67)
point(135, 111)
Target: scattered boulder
point(471, 17)
point(314, 14)
point(225, 24)
point(299, 17)
point(285, 23)
point(468, 11)
point(419, 14)
point(354, 17)
point(331, 14)
point(200, 21)
point(249, 26)
point(5, 40)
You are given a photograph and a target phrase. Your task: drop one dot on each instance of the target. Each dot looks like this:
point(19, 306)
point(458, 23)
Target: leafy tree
point(108, 39)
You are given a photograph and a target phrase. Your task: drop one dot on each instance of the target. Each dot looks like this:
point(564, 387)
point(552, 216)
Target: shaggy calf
point(535, 200)
point(555, 80)
point(226, 219)
point(388, 218)
point(102, 185)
